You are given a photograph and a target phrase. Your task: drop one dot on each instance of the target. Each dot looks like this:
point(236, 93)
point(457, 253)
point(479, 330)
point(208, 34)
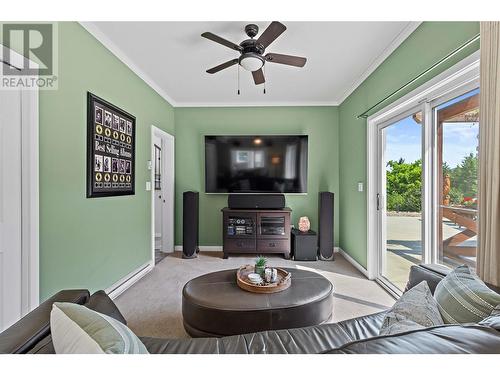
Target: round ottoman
point(213, 305)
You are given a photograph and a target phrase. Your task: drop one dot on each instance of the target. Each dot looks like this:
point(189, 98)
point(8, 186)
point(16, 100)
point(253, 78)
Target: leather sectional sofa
point(31, 334)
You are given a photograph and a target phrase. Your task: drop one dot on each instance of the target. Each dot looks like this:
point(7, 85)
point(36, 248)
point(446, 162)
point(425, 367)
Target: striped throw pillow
point(78, 330)
point(464, 298)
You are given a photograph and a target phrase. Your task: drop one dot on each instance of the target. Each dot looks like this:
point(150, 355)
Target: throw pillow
point(416, 309)
point(79, 330)
point(464, 298)
point(493, 320)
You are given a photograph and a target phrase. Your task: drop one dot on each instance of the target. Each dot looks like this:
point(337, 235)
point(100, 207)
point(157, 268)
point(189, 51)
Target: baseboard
point(126, 282)
point(202, 248)
point(351, 260)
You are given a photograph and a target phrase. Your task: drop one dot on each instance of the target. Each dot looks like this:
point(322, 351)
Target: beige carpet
point(152, 306)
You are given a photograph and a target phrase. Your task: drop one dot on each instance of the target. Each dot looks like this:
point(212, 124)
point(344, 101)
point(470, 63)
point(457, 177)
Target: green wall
point(91, 243)
point(319, 123)
point(430, 42)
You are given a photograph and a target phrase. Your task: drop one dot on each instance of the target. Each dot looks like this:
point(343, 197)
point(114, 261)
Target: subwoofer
point(190, 223)
point(325, 225)
point(256, 201)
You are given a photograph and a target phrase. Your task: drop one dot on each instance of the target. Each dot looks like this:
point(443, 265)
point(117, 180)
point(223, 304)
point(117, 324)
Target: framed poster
point(110, 149)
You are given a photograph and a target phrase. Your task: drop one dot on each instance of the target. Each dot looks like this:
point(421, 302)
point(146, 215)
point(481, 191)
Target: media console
point(256, 231)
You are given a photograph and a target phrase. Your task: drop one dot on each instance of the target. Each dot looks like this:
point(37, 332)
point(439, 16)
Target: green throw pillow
point(415, 309)
point(76, 329)
point(464, 298)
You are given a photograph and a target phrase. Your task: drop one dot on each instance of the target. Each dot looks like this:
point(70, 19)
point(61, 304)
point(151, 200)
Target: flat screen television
point(256, 164)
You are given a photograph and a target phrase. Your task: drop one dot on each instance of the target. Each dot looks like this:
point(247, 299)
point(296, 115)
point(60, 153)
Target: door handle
point(378, 202)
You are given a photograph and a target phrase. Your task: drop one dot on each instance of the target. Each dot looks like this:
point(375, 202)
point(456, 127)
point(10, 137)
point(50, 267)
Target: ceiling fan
point(252, 50)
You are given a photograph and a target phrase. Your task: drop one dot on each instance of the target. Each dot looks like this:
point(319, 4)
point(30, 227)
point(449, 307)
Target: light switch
point(360, 186)
point(148, 185)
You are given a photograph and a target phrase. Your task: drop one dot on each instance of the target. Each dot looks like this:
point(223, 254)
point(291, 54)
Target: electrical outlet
point(148, 185)
point(150, 165)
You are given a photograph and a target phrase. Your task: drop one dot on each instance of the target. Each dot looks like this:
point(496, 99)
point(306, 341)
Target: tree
point(446, 169)
point(464, 176)
point(404, 185)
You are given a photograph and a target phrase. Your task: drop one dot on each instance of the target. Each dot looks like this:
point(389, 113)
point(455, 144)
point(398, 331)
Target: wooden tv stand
point(256, 231)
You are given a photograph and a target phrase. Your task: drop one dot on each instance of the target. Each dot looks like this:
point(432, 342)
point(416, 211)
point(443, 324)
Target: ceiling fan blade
point(286, 59)
point(224, 42)
point(274, 30)
point(258, 77)
point(225, 65)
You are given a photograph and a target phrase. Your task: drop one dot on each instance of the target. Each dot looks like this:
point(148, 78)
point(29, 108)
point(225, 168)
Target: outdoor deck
point(404, 246)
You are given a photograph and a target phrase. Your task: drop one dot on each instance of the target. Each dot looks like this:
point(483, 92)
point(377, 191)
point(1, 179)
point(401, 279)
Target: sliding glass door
point(457, 145)
point(427, 170)
point(400, 201)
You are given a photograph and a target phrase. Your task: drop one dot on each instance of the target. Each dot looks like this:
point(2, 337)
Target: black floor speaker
point(190, 223)
point(325, 225)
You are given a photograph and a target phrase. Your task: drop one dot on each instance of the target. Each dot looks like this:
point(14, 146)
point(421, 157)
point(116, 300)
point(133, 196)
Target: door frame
point(381, 197)
point(168, 188)
point(30, 287)
point(465, 72)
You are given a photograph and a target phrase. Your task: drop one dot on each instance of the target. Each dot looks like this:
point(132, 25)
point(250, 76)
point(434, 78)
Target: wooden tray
point(284, 281)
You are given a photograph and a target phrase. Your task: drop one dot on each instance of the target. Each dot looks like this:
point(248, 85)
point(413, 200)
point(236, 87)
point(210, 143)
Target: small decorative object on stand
point(304, 224)
point(260, 266)
point(270, 275)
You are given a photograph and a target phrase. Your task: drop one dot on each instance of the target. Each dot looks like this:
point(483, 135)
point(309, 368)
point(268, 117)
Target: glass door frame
point(435, 190)
point(381, 195)
point(457, 80)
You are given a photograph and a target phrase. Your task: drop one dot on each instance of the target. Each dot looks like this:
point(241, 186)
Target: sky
point(404, 139)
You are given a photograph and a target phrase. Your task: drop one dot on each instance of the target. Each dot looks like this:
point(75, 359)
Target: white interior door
point(162, 174)
point(168, 193)
point(11, 306)
point(159, 195)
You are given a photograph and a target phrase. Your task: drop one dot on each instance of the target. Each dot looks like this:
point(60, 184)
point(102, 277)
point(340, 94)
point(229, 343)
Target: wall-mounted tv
point(256, 164)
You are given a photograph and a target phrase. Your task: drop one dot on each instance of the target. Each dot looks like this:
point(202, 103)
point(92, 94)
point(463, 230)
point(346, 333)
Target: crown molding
point(258, 104)
point(396, 42)
point(115, 50)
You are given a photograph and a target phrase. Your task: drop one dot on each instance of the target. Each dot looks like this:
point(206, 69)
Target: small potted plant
point(260, 265)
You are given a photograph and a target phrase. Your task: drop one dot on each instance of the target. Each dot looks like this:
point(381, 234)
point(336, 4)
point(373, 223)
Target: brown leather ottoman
point(213, 305)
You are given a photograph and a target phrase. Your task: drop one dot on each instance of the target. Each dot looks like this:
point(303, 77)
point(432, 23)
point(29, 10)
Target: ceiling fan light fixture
point(251, 62)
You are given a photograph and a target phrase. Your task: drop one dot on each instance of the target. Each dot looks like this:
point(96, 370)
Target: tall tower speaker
point(190, 223)
point(325, 220)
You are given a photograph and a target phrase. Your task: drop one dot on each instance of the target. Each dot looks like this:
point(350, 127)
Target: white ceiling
point(172, 58)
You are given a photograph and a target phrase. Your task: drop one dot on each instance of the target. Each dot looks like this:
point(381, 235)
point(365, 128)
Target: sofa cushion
point(463, 298)
point(25, 334)
point(416, 309)
point(308, 340)
point(493, 320)
point(79, 330)
point(432, 273)
point(100, 302)
point(445, 339)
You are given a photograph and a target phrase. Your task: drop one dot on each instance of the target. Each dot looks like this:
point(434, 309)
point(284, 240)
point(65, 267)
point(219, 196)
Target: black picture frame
point(107, 144)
